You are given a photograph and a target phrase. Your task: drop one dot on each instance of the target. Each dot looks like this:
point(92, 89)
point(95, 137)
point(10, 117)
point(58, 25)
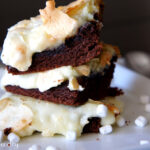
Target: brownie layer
point(76, 51)
point(93, 125)
point(97, 86)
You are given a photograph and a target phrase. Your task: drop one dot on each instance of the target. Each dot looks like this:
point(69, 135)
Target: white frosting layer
point(42, 80)
point(26, 115)
point(46, 31)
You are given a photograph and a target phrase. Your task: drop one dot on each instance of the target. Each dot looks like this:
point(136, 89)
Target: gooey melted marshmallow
point(46, 31)
point(25, 115)
point(42, 80)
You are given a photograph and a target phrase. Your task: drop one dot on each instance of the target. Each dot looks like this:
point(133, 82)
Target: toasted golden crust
point(107, 51)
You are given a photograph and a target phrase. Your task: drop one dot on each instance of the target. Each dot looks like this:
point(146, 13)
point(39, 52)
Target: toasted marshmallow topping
point(46, 31)
point(19, 116)
point(25, 115)
point(56, 22)
point(74, 85)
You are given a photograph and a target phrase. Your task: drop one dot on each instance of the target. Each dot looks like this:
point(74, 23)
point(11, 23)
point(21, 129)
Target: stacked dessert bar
point(59, 72)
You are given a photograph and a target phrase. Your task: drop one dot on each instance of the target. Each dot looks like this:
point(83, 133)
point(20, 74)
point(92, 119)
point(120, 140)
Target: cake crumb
point(127, 122)
point(7, 131)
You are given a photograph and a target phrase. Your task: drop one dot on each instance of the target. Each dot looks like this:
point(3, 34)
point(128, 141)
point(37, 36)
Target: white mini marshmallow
point(144, 99)
point(141, 121)
point(102, 110)
point(143, 142)
point(51, 148)
point(147, 107)
point(35, 147)
point(120, 121)
point(107, 129)
point(13, 138)
point(1, 136)
point(84, 120)
point(71, 136)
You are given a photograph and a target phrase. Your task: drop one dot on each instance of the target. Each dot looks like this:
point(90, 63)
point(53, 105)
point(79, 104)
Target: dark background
point(126, 22)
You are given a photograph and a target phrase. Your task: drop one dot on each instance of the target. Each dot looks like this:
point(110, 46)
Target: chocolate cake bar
point(96, 85)
point(76, 45)
point(59, 73)
point(69, 53)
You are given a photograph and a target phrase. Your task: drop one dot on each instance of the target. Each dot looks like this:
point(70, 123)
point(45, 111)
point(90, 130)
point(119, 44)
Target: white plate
point(125, 138)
